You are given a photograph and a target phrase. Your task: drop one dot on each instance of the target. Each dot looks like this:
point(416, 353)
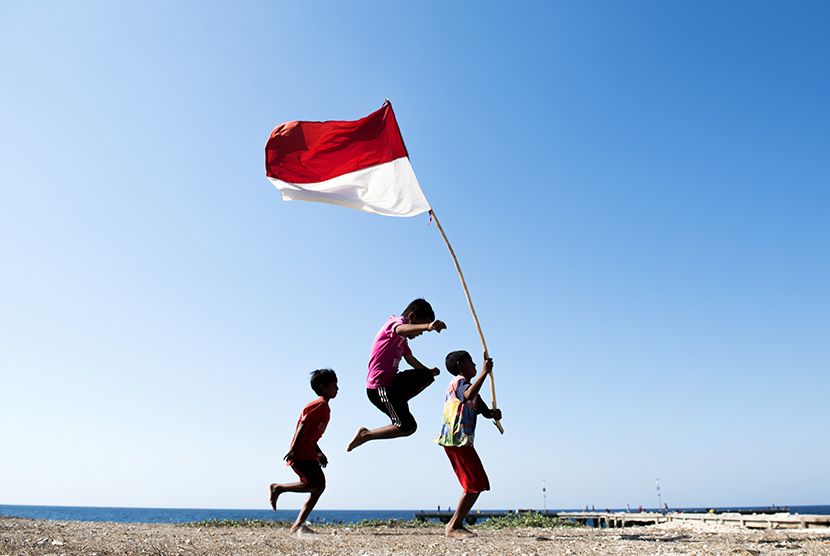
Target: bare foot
point(276, 490)
point(359, 438)
point(460, 533)
point(302, 530)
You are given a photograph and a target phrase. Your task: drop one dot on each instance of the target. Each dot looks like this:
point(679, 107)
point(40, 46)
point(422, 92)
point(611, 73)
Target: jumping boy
point(305, 456)
point(461, 406)
point(388, 389)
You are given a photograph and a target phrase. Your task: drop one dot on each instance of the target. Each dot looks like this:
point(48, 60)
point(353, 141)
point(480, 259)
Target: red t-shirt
point(315, 417)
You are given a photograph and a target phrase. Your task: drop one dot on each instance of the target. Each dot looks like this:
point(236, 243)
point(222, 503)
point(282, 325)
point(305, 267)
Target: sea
point(177, 515)
point(185, 515)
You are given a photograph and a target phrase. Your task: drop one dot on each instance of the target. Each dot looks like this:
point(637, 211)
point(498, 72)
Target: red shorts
point(309, 471)
point(468, 468)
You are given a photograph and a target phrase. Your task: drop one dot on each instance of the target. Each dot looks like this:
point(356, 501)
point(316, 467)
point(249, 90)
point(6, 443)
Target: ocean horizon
point(188, 515)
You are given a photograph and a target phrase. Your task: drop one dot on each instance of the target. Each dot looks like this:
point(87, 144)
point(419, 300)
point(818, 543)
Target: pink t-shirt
point(387, 351)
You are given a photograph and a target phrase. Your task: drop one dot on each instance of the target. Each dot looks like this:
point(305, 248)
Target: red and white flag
point(361, 165)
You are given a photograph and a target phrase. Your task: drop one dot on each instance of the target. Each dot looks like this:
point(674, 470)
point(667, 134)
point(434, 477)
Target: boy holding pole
point(461, 406)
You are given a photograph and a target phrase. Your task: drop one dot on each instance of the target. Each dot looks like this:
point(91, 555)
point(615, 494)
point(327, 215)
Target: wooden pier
point(613, 519)
point(780, 520)
point(759, 520)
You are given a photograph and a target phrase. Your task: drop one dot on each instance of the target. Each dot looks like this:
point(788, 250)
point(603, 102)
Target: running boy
point(388, 389)
point(458, 431)
point(305, 456)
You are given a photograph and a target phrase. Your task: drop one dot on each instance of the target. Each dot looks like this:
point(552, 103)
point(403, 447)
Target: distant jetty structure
point(753, 519)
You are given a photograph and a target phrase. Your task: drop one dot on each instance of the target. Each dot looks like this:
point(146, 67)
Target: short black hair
point(421, 308)
point(320, 378)
point(453, 359)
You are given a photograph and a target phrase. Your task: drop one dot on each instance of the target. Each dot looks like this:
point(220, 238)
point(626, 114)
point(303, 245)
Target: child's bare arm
point(488, 413)
point(418, 365)
point(437, 325)
point(471, 392)
point(414, 362)
point(404, 329)
point(321, 457)
point(289, 457)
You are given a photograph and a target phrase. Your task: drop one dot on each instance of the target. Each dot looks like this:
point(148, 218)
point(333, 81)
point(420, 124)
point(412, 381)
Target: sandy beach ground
point(20, 536)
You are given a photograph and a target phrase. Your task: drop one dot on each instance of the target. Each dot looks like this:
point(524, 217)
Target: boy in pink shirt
point(388, 389)
point(304, 456)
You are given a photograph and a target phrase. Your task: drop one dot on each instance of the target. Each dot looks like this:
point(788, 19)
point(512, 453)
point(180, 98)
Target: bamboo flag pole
point(473, 311)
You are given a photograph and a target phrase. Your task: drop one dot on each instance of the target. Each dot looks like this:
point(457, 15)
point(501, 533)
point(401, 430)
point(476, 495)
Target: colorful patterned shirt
point(459, 424)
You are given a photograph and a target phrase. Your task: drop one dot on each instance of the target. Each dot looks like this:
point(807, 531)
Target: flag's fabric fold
point(361, 164)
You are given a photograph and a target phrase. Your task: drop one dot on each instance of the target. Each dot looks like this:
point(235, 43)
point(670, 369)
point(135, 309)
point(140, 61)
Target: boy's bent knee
point(409, 429)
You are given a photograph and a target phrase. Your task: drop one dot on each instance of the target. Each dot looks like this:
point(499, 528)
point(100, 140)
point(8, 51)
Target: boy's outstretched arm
point(404, 329)
point(437, 325)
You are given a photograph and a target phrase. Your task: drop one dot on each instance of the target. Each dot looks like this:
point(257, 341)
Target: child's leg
point(312, 481)
point(299, 524)
point(364, 435)
point(455, 528)
point(414, 381)
point(276, 490)
point(393, 402)
point(470, 472)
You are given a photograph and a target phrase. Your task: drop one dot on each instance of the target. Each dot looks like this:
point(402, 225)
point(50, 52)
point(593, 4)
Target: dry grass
point(20, 536)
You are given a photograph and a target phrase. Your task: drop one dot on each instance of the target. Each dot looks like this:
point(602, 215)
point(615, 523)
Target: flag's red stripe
point(312, 152)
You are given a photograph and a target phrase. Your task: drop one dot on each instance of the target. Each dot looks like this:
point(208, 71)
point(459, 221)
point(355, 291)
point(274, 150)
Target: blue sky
point(637, 193)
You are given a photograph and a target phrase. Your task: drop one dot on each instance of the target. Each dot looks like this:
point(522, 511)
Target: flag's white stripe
point(390, 189)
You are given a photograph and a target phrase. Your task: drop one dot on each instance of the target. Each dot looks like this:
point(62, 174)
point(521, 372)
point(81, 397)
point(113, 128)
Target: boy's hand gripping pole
point(475, 317)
